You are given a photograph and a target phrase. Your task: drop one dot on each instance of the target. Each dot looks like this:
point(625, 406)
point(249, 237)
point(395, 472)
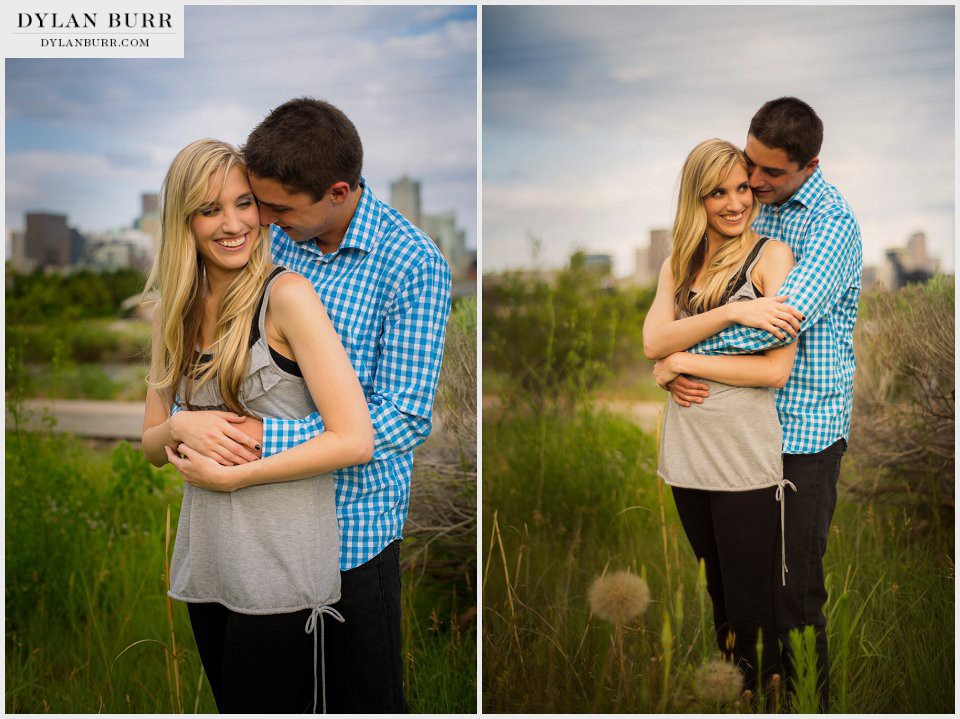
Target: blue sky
point(588, 114)
point(86, 137)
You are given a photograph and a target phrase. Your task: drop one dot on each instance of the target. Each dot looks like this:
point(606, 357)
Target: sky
point(85, 137)
point(588, 114)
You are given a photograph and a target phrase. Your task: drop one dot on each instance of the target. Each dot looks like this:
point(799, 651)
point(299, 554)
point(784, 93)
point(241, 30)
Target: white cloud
point(615, 98)
point(405, 75)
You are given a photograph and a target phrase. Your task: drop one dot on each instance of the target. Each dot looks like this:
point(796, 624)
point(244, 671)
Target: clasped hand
point(768, 313)
point(210, 444)
point(664, 372)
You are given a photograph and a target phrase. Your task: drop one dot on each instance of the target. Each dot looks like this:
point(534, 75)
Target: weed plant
point(570, 496)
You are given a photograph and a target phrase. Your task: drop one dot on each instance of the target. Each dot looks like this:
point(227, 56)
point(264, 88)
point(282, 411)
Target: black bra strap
point(739, 278)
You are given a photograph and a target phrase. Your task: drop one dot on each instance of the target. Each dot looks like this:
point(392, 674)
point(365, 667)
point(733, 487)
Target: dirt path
point(86, 418)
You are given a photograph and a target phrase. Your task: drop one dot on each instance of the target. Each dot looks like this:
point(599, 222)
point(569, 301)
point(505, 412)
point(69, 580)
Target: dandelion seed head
point(718, 682)
point(619, 597)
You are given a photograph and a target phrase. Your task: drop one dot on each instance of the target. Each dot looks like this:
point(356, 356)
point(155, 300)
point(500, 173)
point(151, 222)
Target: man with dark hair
point(275, 148)
point(387, 290)
point(810, 215)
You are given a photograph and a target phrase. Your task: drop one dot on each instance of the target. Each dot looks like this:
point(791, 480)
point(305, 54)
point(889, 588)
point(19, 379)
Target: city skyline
point(589, 113)
point(36, 244)
point(85, 138)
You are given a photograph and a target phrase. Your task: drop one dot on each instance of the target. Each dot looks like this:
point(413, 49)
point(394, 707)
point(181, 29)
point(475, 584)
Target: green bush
point(442, 524)
point(903, 419)
point(555, 340)
point(40, 297)
point(79, 341)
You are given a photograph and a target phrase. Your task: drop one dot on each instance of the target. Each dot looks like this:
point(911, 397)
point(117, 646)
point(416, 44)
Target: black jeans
point(256, 664)
point(264, 663)
point(737, 534)
point(809, 512)
point(364, 664)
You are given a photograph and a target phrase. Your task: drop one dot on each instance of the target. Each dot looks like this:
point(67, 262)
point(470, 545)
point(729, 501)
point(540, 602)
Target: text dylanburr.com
point(106, 29)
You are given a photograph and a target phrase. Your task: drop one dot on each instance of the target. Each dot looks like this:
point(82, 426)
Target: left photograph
point(241, 320)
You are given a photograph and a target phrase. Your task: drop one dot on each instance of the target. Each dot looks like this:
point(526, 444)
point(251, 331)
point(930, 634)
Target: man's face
point(774, 177)
point(296, 214)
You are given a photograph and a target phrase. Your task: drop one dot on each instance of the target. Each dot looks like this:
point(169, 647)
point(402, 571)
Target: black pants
point(737, 534)
point(264, 664)
point(809, 512)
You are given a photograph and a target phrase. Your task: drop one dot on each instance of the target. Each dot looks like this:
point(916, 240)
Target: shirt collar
point(362, 231)
point(810, 191)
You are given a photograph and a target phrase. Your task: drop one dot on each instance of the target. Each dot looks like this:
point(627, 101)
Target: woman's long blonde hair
point(704, 170)
point(178, 276)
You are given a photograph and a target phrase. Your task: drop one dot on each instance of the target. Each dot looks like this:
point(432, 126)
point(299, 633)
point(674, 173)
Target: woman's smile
point(733, 219)
point(233, 243)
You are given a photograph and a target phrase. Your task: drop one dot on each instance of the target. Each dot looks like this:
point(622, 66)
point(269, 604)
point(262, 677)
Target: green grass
point(85, 535)
point(86, 611)
point(568, 497)
point(440, 647)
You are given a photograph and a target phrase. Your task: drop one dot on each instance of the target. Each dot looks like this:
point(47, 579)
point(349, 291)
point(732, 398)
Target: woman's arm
point(771, 369)
point(156, 429)
point(663, 334)
point(298, 315)
point(156, 412)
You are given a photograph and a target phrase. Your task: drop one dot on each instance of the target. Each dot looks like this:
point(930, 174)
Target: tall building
point(78, 246)
point(48, 239)
point(149, 220)
point(659, 250)
point(405, 199)
point(647, 260)
point(902, 265)
point(18, 252)
point(442, 229)
point(149, 204)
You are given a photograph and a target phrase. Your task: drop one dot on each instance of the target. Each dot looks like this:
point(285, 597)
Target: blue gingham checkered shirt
point(387, 291)
point(818, 225)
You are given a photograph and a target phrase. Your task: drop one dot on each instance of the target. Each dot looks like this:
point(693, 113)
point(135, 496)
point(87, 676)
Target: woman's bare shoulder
point(776, 251)
point(292, 287)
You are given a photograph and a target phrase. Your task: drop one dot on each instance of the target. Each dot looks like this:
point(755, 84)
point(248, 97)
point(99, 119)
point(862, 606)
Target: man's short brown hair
point(790, 125)
point(307, 145)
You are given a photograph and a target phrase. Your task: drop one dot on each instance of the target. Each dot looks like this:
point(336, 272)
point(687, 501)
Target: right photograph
point(718, 359)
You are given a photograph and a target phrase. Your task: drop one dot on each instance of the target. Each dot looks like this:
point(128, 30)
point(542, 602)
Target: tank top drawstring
point(781, 497)
point(311, 628)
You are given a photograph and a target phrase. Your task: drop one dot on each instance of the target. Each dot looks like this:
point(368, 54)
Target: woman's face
point(728, 206)
point(226, 227)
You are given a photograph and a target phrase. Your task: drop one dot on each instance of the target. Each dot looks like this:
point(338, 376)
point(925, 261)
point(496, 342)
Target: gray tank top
point(733, 441)
point(267, 549)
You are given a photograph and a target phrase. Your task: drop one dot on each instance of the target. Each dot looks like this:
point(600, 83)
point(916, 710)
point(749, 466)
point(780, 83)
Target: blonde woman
point(722, 457)
point(257, 547)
